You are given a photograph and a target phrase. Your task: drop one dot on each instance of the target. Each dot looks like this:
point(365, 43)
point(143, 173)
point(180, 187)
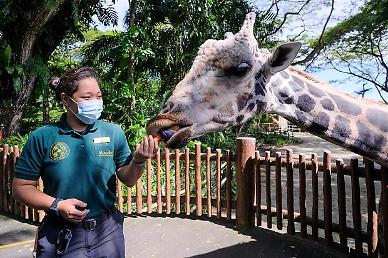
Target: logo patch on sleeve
point(59, 151)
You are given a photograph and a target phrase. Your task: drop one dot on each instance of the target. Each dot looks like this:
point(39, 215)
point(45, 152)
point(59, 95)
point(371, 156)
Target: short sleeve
point(123, 155)
point(31, 159)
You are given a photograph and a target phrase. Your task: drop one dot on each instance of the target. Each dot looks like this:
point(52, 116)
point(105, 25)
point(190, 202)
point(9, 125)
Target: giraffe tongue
point(166, 133)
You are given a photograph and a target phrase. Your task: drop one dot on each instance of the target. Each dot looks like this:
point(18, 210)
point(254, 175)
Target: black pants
point(107, 240)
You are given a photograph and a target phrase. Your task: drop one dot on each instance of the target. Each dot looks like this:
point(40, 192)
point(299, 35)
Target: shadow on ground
point(160, 236)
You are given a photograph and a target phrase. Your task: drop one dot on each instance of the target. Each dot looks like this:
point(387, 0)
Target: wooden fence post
point(139, 195)
point(2, 171)
point(290, 192)
point(244, 180)
point(5, 177)
point(383, 209)
point(198, 179)
point(15, 156)
point(327, 198)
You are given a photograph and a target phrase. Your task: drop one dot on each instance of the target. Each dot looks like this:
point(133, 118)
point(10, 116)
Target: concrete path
point(313, 144)
point(165, 237)
point(16, 237)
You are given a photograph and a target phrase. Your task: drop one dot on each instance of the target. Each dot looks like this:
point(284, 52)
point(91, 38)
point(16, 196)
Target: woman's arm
point(25, 191)
point(130, 173)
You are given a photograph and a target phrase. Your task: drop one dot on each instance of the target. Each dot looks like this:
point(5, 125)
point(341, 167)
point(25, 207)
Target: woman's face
point(88, 89)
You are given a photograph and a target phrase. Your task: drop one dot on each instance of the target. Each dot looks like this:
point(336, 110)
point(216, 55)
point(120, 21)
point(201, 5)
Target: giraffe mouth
point(177, 138)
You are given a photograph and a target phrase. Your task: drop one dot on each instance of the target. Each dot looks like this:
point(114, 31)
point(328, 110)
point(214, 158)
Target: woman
point(78, 159)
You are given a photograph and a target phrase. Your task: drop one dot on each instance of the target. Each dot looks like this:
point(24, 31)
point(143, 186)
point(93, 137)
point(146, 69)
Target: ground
point(180, 237)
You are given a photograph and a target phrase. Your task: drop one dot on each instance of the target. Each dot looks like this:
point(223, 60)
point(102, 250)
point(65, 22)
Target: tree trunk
point(131, 22)
point(46, 107)
point(24, 45)
point(11, 117)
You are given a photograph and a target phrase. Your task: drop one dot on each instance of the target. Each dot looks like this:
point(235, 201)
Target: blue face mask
point(88, 111)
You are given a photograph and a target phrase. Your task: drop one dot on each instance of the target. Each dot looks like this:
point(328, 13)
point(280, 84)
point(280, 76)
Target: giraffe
point(232, 80)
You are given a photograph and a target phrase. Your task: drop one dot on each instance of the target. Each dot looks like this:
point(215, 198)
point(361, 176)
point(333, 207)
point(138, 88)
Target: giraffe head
point(225, 86)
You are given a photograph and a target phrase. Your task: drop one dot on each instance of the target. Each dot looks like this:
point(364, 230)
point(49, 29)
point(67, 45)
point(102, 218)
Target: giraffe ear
point(283, 56)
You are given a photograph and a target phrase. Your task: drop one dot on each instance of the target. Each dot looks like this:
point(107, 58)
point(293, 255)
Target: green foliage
point(16, 139)
point(7, 67)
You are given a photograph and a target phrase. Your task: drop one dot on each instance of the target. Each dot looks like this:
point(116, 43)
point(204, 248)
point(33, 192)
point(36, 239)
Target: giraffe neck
point(352, 123)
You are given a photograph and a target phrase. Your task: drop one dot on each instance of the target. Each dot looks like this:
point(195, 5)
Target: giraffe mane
point(304, 74)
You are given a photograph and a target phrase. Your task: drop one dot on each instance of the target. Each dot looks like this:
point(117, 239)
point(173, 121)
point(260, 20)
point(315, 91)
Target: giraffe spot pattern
point(276, 82)
point(289, 100)
point(297, 80)
point(346, 106)
point(316, 92)
point(295, 87)
point(285, 75)
point(251, 106)
point(378, 119)
point(369, 138)
point(341, 130)
point(259, 88)
point(218, 120)
point(284, 93)
point(320, 123)
point(242, 101)
point(327, 104)
point(240, 118)
point(301, 117)
point(261, 106)
point(306, 103)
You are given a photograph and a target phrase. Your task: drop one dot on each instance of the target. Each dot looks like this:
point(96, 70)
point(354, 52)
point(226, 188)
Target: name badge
point(101, 140)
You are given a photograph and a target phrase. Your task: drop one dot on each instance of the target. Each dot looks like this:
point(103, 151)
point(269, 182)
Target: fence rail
point(325, 200)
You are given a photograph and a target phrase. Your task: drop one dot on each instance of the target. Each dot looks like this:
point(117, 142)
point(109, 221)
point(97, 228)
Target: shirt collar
point(65, 128)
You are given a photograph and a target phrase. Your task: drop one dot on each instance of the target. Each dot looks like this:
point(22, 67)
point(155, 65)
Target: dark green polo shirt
point(76, 165)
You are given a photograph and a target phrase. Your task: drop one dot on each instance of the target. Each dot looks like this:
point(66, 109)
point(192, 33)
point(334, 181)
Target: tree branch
point(319, 46)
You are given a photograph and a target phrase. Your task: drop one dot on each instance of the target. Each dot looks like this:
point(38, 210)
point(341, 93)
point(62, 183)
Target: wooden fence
point(333, 202)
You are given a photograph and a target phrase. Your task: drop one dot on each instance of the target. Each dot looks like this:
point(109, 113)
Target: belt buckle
point(90, 224)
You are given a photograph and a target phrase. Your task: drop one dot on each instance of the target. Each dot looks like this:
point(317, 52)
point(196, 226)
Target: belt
point(88, 224)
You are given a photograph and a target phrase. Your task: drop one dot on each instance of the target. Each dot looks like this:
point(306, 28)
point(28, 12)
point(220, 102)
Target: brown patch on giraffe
point(341, 130)
point(327, 104)
point(251, 107)
point(376, 118)
point(346, 106)
point(304, 74)
point(242, 101)
point(306, 103)
point(320, 123)
point(369, 138)
point(240, 118)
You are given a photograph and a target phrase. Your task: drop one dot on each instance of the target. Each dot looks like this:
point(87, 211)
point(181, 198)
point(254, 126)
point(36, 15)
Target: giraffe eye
point(241, 70)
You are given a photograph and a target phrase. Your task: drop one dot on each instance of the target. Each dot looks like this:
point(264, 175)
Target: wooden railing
point(333, 202)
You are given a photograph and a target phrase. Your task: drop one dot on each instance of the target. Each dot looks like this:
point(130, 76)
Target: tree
point(357, 46)
point(29, 33)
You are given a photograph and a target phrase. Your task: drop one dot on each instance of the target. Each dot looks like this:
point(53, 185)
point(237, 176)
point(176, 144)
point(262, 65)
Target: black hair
point(69, 81)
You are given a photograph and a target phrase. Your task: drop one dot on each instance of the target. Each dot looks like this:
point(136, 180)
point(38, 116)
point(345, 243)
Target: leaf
point(19, 69)
point(9, 69)
point(16, 84)
point(6, 55)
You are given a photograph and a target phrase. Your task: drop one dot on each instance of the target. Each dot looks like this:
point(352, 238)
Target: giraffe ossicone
point(232, 80)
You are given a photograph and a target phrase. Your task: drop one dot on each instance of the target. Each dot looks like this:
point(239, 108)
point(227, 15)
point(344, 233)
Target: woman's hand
point(72, 210)
point(147, 149)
